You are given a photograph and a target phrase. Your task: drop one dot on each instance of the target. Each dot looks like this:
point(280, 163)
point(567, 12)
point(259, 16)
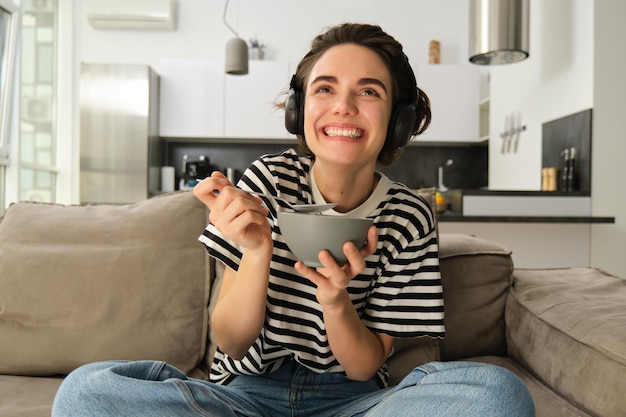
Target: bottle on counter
point(572, 174)
point(434, 52)
point(553, 174)
point(564, 184)
point(549, 177)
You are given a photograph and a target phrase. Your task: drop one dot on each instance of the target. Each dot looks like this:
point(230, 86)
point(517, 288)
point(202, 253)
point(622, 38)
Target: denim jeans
point(155, 389)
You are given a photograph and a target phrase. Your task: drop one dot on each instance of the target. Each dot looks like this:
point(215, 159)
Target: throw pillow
point(81, 284)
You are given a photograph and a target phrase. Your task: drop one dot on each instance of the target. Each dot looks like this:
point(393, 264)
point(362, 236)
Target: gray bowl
point(308, 234)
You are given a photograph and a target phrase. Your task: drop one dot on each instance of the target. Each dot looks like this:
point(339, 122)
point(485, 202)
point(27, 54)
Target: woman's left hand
point(333, 279)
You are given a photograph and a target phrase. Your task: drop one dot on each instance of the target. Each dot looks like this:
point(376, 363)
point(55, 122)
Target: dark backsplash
point(574, 130)
point(416, 167)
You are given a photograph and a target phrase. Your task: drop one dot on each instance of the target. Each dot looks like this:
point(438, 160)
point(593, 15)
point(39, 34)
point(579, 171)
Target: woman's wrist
point(336, 306)
point(263, 251)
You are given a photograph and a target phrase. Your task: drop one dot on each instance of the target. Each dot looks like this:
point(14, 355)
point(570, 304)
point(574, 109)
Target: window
point(37, 129)
point(8, 42)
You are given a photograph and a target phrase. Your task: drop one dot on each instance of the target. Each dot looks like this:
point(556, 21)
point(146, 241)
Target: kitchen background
point(557, 79)
point(572, 68)
point(417, 167)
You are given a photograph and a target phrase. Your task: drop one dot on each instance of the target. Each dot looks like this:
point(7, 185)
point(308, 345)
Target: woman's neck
point(347, 187)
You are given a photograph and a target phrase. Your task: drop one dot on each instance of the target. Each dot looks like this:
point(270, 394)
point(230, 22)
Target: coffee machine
point(194, 170)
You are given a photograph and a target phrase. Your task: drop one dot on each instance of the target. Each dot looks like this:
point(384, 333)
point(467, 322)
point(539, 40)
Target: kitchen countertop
point(451, 216)
point(516, 193)
point(454, 217)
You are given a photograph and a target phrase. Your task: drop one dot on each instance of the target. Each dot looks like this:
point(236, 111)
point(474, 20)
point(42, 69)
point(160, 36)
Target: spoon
point(300, 208)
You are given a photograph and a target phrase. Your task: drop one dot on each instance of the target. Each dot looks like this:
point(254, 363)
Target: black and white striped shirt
point(399, 293)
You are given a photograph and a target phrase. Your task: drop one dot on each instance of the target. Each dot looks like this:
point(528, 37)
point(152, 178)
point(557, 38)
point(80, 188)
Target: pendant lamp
point(236, 61)
point(498, 31)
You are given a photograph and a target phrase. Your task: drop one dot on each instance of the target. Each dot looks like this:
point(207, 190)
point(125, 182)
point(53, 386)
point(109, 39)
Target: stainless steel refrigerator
point(119, 150)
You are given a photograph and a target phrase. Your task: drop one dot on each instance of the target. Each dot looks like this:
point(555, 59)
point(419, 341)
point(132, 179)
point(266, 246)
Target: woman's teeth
point(348, 133)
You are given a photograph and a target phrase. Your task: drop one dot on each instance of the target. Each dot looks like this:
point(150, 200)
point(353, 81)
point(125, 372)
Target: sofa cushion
point(25, 396)
point(476, 276)
point(568, 326)
point(410, 353)
point(547, 402)
point(80, 284)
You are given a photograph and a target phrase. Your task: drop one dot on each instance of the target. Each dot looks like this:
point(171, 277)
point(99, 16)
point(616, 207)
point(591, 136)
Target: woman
point(294, 340)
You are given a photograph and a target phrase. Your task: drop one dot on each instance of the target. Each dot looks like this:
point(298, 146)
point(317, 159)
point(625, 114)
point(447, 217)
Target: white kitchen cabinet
point(191, 98)
point(250, 110)
point(454, 92)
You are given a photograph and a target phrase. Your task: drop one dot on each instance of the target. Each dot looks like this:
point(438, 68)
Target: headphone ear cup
point(294, 112)
point(401, 125)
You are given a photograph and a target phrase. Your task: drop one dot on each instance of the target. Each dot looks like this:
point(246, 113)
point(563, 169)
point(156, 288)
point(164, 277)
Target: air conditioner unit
point(132, 14)
point(41, 6)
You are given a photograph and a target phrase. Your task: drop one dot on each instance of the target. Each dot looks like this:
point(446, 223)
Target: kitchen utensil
point(518, 129)
point(300, 208)
point(511, 136)
point(505, 134)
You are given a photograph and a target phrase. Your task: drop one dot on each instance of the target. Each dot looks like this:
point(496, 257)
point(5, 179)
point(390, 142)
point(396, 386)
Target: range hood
point(498, 31)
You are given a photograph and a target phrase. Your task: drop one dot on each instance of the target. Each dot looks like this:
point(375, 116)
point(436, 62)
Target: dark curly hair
point(405, 88)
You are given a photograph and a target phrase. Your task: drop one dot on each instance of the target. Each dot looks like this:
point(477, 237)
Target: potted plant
point(256, 49)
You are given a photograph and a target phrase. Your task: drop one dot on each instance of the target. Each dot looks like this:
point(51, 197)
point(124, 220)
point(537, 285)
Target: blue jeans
point(155, 389)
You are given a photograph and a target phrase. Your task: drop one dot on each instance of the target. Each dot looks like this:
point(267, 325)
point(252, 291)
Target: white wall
point(555, 81)
point(286, 27)
point(609, 140)
point(68, 113)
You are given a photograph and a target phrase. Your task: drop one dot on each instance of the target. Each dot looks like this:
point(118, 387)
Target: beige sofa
point(83, 284)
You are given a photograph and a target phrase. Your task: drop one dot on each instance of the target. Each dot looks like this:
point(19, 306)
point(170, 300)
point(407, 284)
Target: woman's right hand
point(240, 216)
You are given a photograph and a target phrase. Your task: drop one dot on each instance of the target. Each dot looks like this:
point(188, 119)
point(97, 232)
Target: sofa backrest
point(476, 276)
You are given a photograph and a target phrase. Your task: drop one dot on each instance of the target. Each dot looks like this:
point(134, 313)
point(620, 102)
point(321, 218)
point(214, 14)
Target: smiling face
point(347, 106)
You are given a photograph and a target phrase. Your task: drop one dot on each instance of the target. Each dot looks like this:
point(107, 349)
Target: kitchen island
point(543, 229)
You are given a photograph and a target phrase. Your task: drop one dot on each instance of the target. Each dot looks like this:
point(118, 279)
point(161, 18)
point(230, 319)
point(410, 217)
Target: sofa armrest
point(568, 327)
point(476, 276)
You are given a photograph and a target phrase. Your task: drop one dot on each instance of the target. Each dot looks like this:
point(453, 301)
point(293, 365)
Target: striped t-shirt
point(399, 293)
